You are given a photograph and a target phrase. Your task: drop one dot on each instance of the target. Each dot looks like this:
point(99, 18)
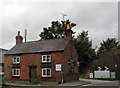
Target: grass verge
point(6, 80)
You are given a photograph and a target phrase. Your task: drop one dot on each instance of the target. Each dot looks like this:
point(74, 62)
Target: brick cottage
point(52, 60)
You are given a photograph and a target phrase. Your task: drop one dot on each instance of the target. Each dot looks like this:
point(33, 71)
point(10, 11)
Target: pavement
point(66, 84)
point(100, 82)
point(75, 83)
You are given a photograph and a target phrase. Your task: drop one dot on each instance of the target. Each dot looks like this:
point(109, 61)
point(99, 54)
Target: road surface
point(94, 84)
point(100, 84)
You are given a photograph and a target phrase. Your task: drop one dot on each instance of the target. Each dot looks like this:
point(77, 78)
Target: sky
point(99, 18)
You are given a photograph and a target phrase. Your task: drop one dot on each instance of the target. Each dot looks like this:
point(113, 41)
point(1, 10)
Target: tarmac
point(70, 84)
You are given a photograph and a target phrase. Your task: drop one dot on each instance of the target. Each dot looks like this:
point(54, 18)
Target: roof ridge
point(44, 40)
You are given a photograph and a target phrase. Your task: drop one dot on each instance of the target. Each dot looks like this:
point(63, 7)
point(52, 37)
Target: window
point(46, 72)
point(16, 72)
point(46, 58)
point(16, 60)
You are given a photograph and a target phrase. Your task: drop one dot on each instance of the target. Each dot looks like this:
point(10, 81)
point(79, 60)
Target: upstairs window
point(16, 60)
point(16, 72)
point(46, 58)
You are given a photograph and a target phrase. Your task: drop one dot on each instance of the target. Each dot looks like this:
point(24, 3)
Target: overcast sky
point(99, 18)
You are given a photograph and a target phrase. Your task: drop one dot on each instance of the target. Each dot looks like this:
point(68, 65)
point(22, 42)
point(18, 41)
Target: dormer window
point(46, 58)
point(16, 60)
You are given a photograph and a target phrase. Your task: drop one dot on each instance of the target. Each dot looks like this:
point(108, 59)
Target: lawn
point(6, 80)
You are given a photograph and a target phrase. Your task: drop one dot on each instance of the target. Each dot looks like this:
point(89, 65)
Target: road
point(94, 84)
point(100, 84)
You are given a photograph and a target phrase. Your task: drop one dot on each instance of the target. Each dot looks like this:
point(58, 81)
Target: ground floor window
point(15, 72)
point(46, 72)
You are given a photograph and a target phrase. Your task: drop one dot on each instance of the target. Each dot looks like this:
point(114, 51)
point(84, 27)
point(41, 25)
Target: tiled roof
point(39, 46)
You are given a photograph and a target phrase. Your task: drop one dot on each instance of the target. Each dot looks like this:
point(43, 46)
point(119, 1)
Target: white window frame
point(46, 72)
point(16, 72)
point(46, 58)
point(15, 57)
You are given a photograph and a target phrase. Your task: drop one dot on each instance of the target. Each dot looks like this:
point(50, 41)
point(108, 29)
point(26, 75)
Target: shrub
point(6, 80)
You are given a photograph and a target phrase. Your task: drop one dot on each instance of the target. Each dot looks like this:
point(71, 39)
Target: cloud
point(99, 18)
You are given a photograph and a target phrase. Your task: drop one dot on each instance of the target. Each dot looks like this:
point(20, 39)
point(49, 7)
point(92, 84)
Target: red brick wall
point(57, 59)
point(27, 60)
point(68, 52)
point(8, 66)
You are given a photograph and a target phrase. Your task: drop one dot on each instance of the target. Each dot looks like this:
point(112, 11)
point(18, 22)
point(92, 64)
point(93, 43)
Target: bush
point(81, 76)
point(6, 80)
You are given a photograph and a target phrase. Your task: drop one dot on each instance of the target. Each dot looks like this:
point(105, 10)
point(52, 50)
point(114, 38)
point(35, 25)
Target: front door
point(32, 74)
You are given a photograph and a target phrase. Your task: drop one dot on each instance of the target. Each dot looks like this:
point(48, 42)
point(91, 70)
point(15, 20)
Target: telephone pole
point(25, 34)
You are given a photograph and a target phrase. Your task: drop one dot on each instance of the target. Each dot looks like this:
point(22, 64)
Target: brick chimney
point(68, 32)
point(19, 38)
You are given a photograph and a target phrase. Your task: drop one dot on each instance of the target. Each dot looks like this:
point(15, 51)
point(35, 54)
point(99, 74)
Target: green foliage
point(118, 46)
point(34, 82)
point(102, 48)
point(109, 43)
point(6, 80)
point(56, 30)
point(82, 76)
point(49, 84)
point(84, 48)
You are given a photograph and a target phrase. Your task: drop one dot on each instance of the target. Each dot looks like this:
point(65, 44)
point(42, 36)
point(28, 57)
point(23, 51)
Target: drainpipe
point(62, 77)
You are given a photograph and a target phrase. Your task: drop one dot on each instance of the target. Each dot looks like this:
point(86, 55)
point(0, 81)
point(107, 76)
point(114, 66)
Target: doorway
point(32, 74)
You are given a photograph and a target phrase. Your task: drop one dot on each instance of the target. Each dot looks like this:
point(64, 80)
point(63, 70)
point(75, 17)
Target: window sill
point(15, 63)
point(15, 76)
point(46, 77)
point(45, 62)
point(44, 66)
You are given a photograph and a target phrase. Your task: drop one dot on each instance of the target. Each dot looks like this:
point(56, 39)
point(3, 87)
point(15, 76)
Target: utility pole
point(25, 34)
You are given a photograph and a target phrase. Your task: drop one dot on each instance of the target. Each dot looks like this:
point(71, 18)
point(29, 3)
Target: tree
point(56, 30)
point(84, 48)
point(109, 43)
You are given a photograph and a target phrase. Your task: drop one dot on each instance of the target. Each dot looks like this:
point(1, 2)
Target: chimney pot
point(68, 32)
point(19, 38)
point(18, 32)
